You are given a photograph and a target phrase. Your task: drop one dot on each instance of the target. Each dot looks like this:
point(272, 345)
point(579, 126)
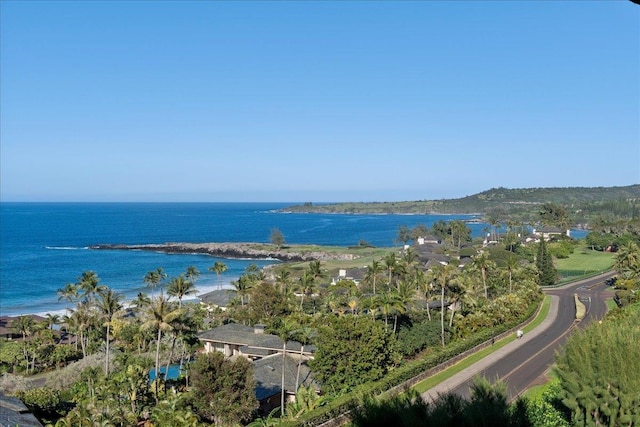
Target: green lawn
point(584, 262)
point(586, 259)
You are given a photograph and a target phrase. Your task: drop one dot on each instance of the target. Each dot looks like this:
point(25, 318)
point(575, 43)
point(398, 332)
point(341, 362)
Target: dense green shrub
point(44, 402)
point(418, 336)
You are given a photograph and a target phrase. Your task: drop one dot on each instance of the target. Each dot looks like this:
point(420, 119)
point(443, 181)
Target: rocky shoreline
point(231, 251)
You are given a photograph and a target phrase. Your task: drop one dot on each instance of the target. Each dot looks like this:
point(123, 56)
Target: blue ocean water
point(43, 246)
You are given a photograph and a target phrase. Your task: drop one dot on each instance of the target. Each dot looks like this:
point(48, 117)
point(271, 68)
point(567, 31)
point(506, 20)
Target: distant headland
point(290, 253)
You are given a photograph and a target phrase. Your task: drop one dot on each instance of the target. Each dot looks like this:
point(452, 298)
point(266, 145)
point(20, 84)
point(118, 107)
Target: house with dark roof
point(6, 329)
point(234, 339)
point(220, 298)
point(356, 275)
point(13, 412)
point(268, 375)
point(265, 350)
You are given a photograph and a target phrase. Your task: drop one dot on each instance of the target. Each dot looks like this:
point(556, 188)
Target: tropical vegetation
point(107, 362)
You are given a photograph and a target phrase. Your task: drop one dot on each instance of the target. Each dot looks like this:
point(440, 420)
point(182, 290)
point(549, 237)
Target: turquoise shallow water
point(43, 246)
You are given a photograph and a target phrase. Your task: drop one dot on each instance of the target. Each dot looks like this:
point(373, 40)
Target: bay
point(44, 246)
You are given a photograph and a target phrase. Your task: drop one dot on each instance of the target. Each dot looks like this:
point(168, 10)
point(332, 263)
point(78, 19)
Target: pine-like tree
point(598, 371)
point(544, 262)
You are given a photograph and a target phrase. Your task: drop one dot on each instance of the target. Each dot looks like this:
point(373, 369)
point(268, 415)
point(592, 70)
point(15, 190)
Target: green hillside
point(584, 204)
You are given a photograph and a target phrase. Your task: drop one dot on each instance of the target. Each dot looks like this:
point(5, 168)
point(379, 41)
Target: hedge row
point(412, 372)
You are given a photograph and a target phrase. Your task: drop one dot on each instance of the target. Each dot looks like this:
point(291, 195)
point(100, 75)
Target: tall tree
point(68, 293)
point(404, 234)
point(160, 314)
point(352, 350)
point(285, 331)
point(391, 265)
point(418, 231)
point(511, 265)
point(82, 317)
point(315, 268)
point(307, 286)
point(443, 275)
point(219, 268)
point(179, 287)
point(459, 233)
point(108, 304)
point(373, 270)
point(25, 326)
point(483, 263)
point(89, 283)
point(223, 389)
point(283, 278)
point(242, 286)
point(192, 274)
point(277, 238)
point(304, 336)
point(154, 279)
point(544, 262)
point(556, 215)
point(627, 258)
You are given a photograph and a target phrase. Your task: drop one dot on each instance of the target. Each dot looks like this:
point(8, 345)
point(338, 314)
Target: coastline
point(231, 251)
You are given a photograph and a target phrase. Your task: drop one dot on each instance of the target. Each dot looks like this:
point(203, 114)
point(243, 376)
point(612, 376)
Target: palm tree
point(192, 274)
point(390, 264)
point(25, 326)
point(142, 300)
point(179, 326)
point(108, 304)
point(180, 287)
point(160, 314)
point(243, 285)
point(511, 265)
point(69, 292)
point(389, 302)
point(482, 263)
point(409, 257)
point(407, 293)
point(89, 282)
point(81, 317)
point(628, 257)
point(442, 276)
point(372, 273)
point(219, 268)
point(304, 336)
point(307, 285)
point(286, 330)
point(316, 270)
point(52, 320)
point(154, 278)
point(284, 279)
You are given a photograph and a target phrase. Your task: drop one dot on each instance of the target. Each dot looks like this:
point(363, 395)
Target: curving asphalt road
point(522, 363)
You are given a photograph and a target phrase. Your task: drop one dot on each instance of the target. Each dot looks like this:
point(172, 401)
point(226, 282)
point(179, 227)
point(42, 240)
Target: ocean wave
point(67, 248)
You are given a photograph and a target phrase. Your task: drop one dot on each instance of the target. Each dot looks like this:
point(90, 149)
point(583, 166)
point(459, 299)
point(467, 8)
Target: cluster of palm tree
point(397, 284)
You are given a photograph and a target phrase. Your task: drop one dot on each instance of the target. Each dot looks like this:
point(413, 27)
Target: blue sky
point(315, 101)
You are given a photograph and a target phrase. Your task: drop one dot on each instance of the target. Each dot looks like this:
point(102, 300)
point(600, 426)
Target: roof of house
point(14, 413)
point(548, 230)
point(249, 341)
point(6, 321)
point(219, 297)
point(354, 273)
point(268, 375)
